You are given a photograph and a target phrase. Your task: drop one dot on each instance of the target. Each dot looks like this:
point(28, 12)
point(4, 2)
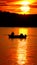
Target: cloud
point(35, 3)
point(33, 6)
point(7, 2)
point(13, 6)
point(3, 3)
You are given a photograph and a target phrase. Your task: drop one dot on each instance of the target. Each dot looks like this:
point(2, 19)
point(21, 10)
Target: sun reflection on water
point(21, 52)
point(23, 31)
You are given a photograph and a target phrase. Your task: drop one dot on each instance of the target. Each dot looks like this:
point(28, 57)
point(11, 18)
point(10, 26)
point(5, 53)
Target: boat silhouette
point(21, 36)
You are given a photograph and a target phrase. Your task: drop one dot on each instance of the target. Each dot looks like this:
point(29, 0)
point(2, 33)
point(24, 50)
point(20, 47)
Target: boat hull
point(17, 36)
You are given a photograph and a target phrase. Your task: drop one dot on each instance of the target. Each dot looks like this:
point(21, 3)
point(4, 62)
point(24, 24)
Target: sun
point(25, 7)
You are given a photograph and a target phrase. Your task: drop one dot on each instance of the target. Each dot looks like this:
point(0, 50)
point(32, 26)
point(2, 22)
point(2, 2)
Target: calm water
point(18, 51)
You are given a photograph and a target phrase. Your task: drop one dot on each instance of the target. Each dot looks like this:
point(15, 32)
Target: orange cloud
point(14, 6)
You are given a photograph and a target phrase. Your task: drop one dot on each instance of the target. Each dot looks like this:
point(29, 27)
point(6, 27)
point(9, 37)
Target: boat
point(21, 36)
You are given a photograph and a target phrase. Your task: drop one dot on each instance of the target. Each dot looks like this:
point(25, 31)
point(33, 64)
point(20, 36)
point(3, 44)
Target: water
point(18, 51)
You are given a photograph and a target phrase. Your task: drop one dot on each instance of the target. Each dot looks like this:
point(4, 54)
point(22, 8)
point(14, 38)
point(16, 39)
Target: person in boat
point(25, 36)
point(21, 36)
point(12, 34)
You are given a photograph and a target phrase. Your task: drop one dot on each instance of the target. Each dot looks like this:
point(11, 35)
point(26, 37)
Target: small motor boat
point(21, 36)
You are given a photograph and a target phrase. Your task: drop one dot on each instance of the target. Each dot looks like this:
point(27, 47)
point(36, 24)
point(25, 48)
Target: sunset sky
point(19, 6)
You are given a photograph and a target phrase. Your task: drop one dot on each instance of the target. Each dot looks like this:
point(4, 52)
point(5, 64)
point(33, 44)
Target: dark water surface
point(18, 51)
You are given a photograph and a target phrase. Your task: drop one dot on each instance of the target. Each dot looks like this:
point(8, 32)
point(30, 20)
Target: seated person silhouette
point(12, 34)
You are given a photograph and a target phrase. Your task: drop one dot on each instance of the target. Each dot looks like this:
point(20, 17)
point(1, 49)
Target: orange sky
point(19, 6)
